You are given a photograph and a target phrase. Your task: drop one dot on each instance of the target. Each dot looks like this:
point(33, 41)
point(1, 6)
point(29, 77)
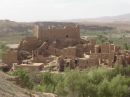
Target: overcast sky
point(50, 10)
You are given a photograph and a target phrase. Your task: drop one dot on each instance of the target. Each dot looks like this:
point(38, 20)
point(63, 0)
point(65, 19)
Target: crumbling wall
point(120, 60)
point(105, 48)
point(83, 63)
point(53, 33)
point(89, 48)
point(86, 63)
point(29, 44)
point(69, 52)
point(10, 57)
point(79, 50)
point(42, 59)
point(112, 48)
point(92, 41)
point(30, 67)
point(97, 49)
point(109, 48)
point(107, 58)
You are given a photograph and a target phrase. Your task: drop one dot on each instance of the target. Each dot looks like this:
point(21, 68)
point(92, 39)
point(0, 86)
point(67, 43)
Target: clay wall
point(42, 59)
point(83, 63)
point(30, 67)
point(10, 57)
point(29, 44)
point(57, 33)
point(119, 60)
point(97, 49)
point(89, 48)
point(112, 48)
point(93, 62)
point(105, 48)
point(108, 58)
point(79, 50)
point(108, 48)
point(92, 41)
point(69, 52)
point(86, 63)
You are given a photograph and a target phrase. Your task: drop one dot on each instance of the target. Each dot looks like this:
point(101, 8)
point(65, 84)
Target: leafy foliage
point(3, 48)
point(95, 82)
point(24, 78)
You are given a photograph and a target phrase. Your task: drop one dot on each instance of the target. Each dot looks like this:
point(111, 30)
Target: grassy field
point(13, 38)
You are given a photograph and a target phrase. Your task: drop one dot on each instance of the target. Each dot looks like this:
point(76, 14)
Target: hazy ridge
point(8, 27)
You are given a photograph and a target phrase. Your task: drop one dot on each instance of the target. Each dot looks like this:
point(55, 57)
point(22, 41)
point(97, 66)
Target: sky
point(52, 10)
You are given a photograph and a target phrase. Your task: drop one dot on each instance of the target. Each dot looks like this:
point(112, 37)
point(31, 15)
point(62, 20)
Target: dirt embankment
point(8, 89)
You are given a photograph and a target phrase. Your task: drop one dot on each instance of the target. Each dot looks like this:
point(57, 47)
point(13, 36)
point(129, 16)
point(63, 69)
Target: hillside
point(125, 18)
point(11, 28)
point(8, 89)
point(120, 23)
point(13, 32)
point(8, 27)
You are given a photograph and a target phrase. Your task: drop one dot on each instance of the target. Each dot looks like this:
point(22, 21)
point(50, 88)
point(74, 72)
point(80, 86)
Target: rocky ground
point(8, 89)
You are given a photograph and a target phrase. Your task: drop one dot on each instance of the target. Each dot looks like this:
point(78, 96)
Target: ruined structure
point(52, 33)
point(64, 45)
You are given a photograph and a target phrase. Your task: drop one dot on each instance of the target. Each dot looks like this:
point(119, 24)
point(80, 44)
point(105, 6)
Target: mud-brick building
point(53, 33)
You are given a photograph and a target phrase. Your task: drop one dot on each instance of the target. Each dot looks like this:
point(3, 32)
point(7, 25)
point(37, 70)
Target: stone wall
point(53, 33)
point(30, 67)
point(10, 57)
point(69, 52)
point(29, 44)
point(86, 63)
point(108, 48)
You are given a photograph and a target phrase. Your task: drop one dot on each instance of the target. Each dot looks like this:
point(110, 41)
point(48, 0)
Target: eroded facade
point(63, 47)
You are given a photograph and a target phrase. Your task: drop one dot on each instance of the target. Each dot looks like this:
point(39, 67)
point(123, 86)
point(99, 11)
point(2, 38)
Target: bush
point(3, 48)
point(95, 82)
point(50, 81)
point(23, 76)
point(126, 47)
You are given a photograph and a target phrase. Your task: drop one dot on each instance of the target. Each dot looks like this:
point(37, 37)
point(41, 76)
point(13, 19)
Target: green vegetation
point(102, 39)
point(3, 48)
point(11, 39)
point(121, 39)
point(24, 79)
point(14, 38)
point(94, 82)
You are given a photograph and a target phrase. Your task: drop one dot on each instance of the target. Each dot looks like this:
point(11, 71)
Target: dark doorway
point(67, 36)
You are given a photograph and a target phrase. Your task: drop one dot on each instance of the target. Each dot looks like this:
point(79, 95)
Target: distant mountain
point(120, 18)
point(8, 27)
point(12, 28)
point(107, 19)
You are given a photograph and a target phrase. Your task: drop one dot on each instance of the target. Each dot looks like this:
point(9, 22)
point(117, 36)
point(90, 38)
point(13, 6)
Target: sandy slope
point(8, 89)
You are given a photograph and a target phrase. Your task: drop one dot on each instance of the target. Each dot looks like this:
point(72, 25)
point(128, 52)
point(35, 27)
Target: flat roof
point(12, 46)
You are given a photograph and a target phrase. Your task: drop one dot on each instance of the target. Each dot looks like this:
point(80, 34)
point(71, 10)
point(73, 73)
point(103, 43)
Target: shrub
point(95, 82)
point(50, 81)
point(23, 76)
